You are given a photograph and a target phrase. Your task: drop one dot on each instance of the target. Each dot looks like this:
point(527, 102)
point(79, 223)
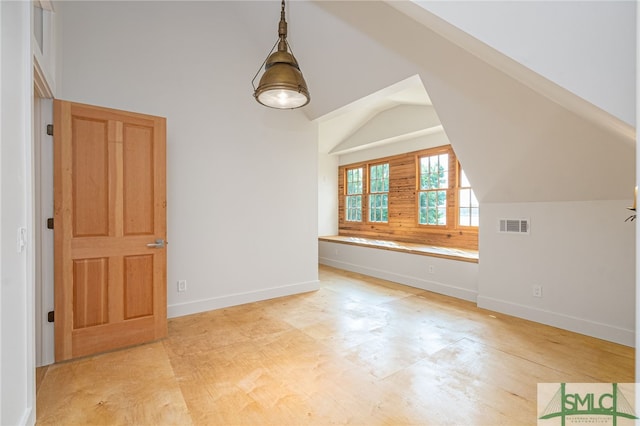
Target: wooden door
point(109, 212)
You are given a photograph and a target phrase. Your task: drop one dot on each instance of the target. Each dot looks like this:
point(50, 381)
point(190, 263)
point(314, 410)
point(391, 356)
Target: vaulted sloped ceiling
point(517, 143)
point(401, 122)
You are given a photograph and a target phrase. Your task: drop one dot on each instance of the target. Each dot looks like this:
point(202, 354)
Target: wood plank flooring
point(359, 351)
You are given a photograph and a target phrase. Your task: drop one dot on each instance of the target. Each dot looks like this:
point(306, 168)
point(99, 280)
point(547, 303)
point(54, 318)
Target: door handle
point(158, 244)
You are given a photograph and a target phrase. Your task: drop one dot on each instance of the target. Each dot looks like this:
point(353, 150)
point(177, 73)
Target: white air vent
point(517, 226)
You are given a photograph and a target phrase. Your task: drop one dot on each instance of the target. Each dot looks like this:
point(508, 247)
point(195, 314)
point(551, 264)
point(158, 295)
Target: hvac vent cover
point(514, 226)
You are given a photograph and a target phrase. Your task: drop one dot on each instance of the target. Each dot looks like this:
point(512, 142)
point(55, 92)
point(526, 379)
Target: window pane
point(424, 167)
point(354, 181)
point(443, 170)
point(442, 216)
point(378, 187)
point(432, 199)
point(474, 200)
point(353, 210)
point(434, 171)
point(469, 212)
point(465, 198)
point(378, 179)
point(465, 216)
point(464, 182)
point(475, 217)
point(432, 208)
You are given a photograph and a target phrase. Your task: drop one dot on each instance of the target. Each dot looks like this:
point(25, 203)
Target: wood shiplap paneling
point(403, 206)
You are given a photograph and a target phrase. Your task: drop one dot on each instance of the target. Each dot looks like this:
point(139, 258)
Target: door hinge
point(50, 223)
point(50, 129)
point(50, 316)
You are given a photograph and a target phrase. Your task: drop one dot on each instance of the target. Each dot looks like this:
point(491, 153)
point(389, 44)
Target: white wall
point(527, 154)
point(581, 253)
point(17, 389)
point(415, 144)
point(242, 178)
point(327, 194)
point(587, 47)
point(451, 277)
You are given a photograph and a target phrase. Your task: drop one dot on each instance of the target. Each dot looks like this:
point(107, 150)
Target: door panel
point(138, 172)
point(90, 156)
point(109, 204)
point(138, 286)
point(90, 292)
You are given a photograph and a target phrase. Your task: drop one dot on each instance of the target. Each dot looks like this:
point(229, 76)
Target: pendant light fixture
point(282, 85)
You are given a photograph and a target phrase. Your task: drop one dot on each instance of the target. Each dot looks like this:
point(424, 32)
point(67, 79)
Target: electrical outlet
point(431, 269)
point(537, 291)
point(182, 285)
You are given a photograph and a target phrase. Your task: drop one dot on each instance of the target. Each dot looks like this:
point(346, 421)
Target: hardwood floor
point(359, 351)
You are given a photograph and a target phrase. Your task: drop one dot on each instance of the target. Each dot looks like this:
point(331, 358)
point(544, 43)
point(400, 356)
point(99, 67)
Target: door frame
point(42, 209)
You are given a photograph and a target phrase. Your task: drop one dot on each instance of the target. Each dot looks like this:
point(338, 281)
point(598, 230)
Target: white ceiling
point(317, 33)
point(338, 125)
point(362, 58)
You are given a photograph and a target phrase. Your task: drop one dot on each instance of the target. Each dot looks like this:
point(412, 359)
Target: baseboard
point(566, 322)
point(197, 306)
point(434, 286)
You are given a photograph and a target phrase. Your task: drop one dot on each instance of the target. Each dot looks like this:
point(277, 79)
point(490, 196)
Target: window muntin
point(379, 193)
point(432, 195)
point(469, 208)
point(353, 200)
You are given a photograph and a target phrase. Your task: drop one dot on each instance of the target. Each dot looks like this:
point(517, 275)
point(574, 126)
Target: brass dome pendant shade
point(282, 85)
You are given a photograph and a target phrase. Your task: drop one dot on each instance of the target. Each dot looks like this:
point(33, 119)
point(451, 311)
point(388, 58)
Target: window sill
point(443, 252)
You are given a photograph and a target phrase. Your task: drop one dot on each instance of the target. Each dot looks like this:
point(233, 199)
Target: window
point(432, 196)
point(469, 210)
point(420, 197)
point(354, 195)
point(379, 193)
